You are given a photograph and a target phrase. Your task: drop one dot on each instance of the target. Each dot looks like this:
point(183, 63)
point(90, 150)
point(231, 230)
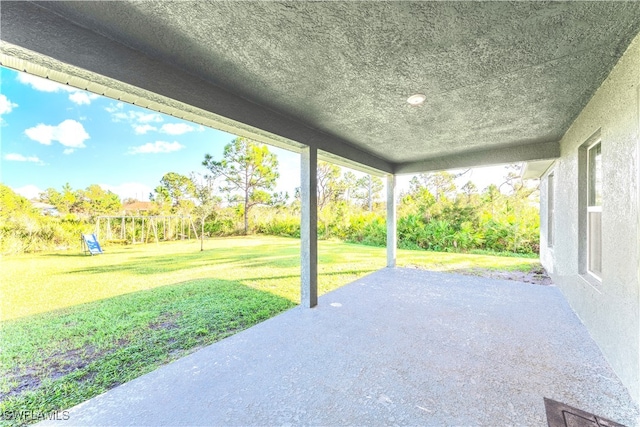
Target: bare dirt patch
point(537, 277)
point(63, 363)
point(23, 382)
point(166, 321)
point(53, 367)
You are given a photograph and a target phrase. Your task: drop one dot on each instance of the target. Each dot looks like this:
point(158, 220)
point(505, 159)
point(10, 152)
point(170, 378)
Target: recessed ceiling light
point(416, 99)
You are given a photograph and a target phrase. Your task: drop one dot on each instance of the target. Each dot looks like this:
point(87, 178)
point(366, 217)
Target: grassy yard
point(74, 326)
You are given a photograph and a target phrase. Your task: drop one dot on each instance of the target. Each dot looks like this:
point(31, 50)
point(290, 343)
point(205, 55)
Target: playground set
point(138, 229)
point(90, 244)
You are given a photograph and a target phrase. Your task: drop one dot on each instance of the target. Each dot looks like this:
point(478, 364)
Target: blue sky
point(52, 134)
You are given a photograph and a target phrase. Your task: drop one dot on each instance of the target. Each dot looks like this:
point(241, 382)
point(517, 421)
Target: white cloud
point(43, 85)
point(119, 116)
point(82, 98)
point(41, 133)
point(176, 128)
point(5, 105)
point(28, 191)
point(143, 122)
point(133, 190)
point(77, 96)
point(113, 108)
point(69, 133)
point(15, 157)
point(146, 117)
point(142, 129)
point(156, 147)
point(68, 150)
point(139, 120)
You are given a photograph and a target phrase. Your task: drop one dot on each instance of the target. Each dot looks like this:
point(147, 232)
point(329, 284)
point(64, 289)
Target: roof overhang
point(21, 59)
point(535, 170)
point(504, 80)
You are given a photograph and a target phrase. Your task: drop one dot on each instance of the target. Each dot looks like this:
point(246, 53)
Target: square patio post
point(391, 221)
point(309, 227)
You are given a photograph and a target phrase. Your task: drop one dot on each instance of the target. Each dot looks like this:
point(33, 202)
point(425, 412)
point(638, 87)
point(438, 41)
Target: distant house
point(137, 208)
point(45, 208)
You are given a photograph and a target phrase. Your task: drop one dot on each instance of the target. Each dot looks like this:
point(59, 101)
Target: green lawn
point(74, 326)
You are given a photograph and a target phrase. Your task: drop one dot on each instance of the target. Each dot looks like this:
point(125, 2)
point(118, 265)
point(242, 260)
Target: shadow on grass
point(173, 262)
point(66, 255)
point(80, 254)
point(320, 274)
point(55, 360)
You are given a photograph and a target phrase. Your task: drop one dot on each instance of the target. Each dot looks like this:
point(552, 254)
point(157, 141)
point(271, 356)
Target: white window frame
point(592, 209)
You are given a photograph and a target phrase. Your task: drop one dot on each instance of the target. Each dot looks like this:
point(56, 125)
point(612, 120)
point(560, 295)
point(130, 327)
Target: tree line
point(236, 196)
point(433, 214)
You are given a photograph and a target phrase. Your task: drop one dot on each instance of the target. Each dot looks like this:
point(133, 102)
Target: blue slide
point(91, 244)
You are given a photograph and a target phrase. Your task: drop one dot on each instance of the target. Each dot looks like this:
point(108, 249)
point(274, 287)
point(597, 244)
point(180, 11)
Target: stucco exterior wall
point(610, 308)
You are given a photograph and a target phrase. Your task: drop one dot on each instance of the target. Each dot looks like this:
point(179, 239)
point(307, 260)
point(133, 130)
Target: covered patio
point(499, 82)
point(398, 347)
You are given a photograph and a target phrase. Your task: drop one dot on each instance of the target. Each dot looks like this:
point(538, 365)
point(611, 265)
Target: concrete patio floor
point(400, 346)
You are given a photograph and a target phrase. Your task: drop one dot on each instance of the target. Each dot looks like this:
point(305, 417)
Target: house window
point(550, 209)
point(594, 210)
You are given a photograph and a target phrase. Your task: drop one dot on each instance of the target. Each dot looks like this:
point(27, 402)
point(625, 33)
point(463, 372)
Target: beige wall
point(611, 308)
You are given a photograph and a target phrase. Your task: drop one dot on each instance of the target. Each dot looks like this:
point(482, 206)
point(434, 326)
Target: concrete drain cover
point(561, 415)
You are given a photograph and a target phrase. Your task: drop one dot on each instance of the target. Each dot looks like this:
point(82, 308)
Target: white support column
point(309, 227)
point(391, 221)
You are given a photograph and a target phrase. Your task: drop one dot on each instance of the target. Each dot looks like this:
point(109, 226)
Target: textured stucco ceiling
point(495, 74)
